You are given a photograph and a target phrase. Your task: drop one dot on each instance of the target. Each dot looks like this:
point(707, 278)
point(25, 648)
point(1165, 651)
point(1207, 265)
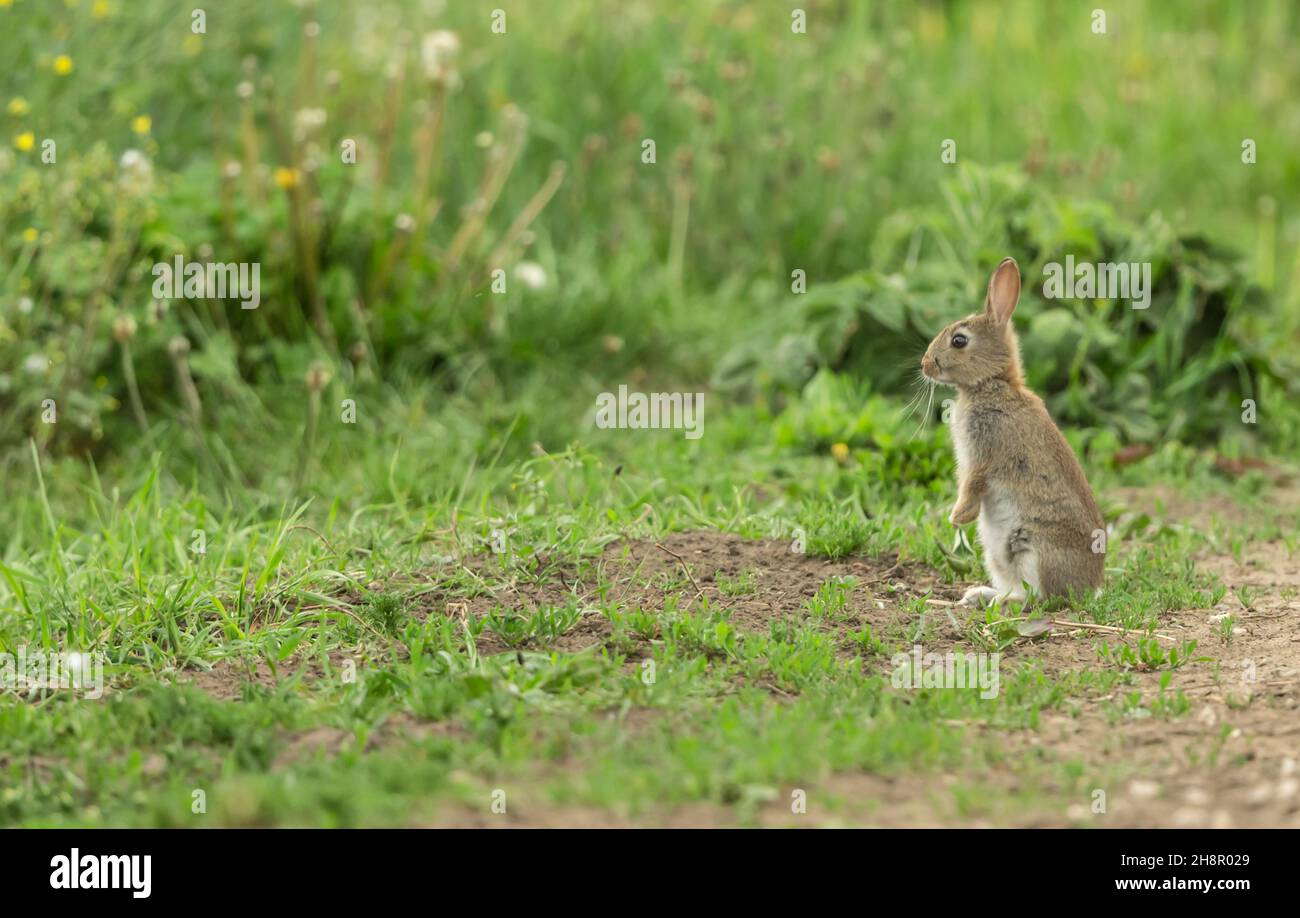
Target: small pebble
point(1189, 816)
point(1143, 790)
point(1259, 795)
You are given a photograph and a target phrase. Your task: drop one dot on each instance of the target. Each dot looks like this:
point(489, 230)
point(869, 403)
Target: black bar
point(329, 869)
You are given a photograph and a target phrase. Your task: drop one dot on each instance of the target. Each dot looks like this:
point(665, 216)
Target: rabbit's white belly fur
point(999, 519)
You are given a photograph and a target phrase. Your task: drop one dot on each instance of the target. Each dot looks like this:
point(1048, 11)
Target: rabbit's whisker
point(915, 401)
point(929, 406)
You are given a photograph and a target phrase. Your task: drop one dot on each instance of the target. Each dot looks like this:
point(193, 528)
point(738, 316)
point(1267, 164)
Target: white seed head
point(531, 275)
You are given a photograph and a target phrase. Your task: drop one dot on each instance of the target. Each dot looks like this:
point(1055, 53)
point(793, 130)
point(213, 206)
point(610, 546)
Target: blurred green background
point(521, 150)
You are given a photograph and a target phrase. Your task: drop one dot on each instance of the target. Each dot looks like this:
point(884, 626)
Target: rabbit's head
point(982, 346)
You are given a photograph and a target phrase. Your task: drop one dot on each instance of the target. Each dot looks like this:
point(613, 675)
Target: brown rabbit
point(1038, 521)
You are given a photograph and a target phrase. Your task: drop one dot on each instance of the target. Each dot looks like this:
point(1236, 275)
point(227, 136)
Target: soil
point(226, 679)
point(647, 574)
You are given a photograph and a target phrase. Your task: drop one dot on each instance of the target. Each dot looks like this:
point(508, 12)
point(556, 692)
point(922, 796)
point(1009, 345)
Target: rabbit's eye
point(959, 341)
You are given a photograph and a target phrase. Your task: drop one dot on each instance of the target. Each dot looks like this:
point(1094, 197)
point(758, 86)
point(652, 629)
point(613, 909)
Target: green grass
point(729, 718)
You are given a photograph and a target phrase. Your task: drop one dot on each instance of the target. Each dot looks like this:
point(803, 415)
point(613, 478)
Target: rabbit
point(1039, 524)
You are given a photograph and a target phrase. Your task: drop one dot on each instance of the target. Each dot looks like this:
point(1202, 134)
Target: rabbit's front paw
point(964, 513)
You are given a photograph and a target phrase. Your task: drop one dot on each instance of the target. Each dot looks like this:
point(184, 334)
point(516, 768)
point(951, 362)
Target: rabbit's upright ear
point(1004, 291)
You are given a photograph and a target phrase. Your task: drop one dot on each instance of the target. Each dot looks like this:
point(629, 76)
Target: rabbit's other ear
point(1004, 291)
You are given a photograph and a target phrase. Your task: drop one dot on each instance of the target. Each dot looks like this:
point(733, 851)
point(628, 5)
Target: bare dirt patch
point(687, 567)
point(327, 742)
point(1201, 510)
point(226, 679)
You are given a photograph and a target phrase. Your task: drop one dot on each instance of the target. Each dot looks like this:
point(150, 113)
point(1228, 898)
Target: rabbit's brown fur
point(1038, 521)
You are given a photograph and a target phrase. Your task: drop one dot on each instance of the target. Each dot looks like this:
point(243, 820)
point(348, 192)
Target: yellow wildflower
point(841, 452)
point(63, 65)
point(25, 141)
point(141, 124)
point(286, 178)
point(30, 234)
